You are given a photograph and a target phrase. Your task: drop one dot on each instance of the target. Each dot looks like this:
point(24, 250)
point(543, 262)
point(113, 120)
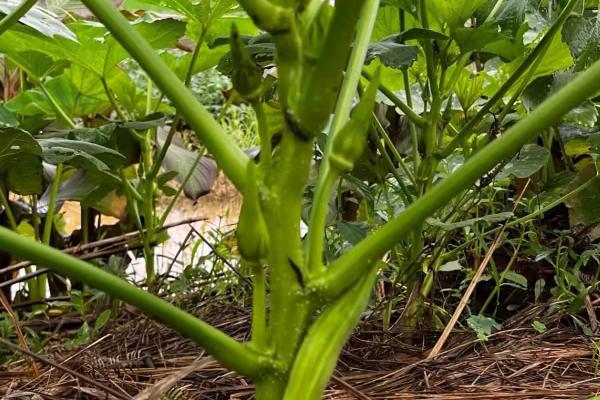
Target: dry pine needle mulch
point(136, 354)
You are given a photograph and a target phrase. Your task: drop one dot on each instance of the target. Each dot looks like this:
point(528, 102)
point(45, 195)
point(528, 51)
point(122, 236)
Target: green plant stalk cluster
point(296, 341)
point(346, 269)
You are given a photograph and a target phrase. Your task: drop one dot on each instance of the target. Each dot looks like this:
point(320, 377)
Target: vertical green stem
point(47, 233)
point(259, 306)
point(149, 211)
point(263, 133)
point(9, 214)
point(59, 110)
point(343, 107)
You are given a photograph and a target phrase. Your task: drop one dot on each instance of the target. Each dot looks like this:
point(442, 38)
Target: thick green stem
point(263, 133)
point(226, 151)
point(14, 17)
point(514, 78)
point(226, 350)
point(347, 269)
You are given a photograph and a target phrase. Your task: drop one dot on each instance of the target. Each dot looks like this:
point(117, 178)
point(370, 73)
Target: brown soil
point(136, 353)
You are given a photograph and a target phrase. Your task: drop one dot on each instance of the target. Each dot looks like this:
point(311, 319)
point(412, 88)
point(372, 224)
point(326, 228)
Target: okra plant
point(303, 308)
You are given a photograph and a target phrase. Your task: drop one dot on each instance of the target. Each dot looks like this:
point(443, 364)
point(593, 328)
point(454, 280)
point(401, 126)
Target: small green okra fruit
point(318, 355)
point(252, 233)
point(349, 143)
point(247, 76)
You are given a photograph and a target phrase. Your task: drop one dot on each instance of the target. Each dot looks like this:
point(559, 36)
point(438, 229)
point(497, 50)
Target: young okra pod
point(247, 76)
point(252, 233)
point(349, 143)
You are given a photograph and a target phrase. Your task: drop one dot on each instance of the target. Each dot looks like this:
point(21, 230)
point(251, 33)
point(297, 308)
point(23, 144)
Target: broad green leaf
point(62, 89)
point(584, 115)
point(39, 19)
point(469, 89)
point(530, 160)
point(584, 208)
point(77, 152)
point(7, 118)
point(454, 12)
point(34, 63)
point(91, 190)
point(159, 34)
point(20, 161)
point(582, 34)
point(406, 5)
point(388, 23)
point(353, 232)
point(392, 54)
point(557, 58)
point(420, 33)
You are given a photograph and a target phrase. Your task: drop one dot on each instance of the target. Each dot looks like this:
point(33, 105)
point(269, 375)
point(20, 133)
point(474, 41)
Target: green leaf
point(420, 33)
point(63, 90)
point(102, 319)
point(406, 5)
point(39, 19)
point(392, 54)
point(583, 37)
point(516, 278)
point(584, 208)
point(482, 325)
point(530, 160)
point(7, 118)
point(454, 12)
point(165, 178)
point(34, 63)
point(451, 266)
point(539, 326)
point(94, 159)
point(20, 161)
point(353, 232)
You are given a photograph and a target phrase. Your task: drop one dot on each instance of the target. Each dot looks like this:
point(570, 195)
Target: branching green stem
point(228, 351)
